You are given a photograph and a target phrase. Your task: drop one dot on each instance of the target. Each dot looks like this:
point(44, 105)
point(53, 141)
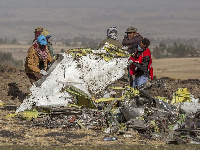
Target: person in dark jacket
point(131, 41)
point(111, 38)
point(141, 64)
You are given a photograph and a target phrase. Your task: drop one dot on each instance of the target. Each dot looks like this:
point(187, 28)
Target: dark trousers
point(130, 77)
point(34, 77)
point(131, 80)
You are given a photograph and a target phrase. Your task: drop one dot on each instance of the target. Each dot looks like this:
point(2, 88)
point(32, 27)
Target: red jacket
point(139, 60)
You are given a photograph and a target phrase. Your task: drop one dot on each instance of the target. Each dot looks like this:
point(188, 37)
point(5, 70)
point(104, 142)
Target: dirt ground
point(14, 87)
point(177, 68)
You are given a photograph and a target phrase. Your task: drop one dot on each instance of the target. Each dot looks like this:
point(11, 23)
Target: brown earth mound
point(14, 85)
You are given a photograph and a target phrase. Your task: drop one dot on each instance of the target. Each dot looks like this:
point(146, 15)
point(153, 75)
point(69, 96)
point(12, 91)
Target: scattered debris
point(78, 95)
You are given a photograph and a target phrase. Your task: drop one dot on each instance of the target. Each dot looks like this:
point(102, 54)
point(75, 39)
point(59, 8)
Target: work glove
point(43, 72)
point(127, 53)
point(125, 36)
point(124, 48)
point(133, 54)
point(130, 62)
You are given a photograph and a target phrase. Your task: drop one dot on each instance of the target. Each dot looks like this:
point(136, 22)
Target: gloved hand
point(130, 62)
point(124, 48)
point(126, 52)
point(43, 72)
point(125, 36)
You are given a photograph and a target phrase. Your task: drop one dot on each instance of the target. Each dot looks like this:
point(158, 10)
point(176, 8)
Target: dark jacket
point(110, 41)
point(141, 68)
point(132, 43)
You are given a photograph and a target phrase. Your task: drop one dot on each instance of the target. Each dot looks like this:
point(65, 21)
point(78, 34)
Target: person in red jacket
point(141, 64)
point(131, 40)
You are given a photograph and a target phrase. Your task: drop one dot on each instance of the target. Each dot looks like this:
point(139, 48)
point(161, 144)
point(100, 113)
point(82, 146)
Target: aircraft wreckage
point(78, 93)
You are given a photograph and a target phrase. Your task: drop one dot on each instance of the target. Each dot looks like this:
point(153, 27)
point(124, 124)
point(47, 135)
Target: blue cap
point(42, 40)
point(48, 36)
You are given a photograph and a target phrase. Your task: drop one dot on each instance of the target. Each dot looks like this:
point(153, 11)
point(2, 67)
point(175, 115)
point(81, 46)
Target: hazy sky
point(100, 3)
point(91, 18)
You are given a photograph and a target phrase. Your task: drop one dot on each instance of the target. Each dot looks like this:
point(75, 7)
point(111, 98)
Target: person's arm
point(32, 64)
point(144, 65)
point(131, 43)
point(100, 46)
point(49, 58)
point(126, 41)
point(136, 41)
point(51, 50)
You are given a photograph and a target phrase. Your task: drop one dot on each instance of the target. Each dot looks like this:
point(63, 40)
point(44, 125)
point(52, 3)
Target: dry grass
point(179, 68)
point(20, 51)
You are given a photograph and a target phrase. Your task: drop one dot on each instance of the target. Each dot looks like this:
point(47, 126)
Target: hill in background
point(65, 18)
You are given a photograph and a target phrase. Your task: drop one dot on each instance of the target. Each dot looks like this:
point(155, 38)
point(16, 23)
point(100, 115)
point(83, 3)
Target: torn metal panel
point(131, 112)
point(188, 107)
point(89, 73)
point(160, 104)
point(60, 57)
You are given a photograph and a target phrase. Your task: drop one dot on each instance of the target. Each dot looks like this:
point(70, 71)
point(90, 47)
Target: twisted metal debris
point(115, 110)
